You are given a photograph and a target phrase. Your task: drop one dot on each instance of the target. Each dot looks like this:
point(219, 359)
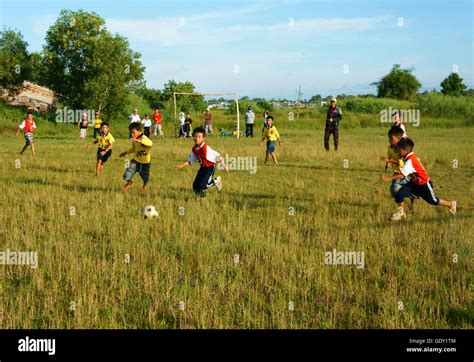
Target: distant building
point(32, 96)
point(219, 105)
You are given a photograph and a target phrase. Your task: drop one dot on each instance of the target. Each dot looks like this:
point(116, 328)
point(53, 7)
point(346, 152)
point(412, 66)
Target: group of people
point(409, 178)
point(150, 126)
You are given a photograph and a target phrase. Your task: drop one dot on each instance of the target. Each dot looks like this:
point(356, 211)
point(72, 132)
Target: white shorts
point(83, 132)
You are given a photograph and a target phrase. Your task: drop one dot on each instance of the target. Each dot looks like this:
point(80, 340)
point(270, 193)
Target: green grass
point(190, 258)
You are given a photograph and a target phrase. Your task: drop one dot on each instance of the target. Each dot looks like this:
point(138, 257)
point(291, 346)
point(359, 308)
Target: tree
point(89, 68)
point(14, 60)
point(453, 85)
point(38, 69)
point(183, 103)
point(315, 99)
point(399, 84)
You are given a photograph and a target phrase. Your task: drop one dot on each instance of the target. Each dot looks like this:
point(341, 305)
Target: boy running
point(157, 124)
point(395, 162)
point(105, 141)
point(28, 126)
point(419, 184)
point(141, 147)
point(270, 133)
point(207, 158)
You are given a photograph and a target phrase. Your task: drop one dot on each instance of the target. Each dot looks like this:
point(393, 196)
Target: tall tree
point(87, 66)
point(14, 60)
point(453, 85)
point(399, 84)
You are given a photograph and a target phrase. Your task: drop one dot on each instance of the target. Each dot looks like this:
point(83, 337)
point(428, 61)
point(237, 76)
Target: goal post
point(235, 95)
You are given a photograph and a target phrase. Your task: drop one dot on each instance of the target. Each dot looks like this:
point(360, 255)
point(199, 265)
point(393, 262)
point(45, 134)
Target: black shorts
point(105, 157)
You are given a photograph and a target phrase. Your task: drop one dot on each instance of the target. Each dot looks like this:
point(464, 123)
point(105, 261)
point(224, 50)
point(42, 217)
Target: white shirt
point(146, 123)
point(134, 118)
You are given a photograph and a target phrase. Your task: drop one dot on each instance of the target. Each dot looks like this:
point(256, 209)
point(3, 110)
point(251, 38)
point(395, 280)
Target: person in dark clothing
point(333, 118)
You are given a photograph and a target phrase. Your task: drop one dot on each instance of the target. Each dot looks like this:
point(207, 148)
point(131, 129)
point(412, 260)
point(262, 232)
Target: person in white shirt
point(182, 118)
point(146, 125)
point(249, 120)
point(134, 118)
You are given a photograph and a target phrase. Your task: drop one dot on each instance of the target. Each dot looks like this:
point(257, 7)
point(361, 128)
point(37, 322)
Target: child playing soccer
point(207, 158)
point(105, 141)
point(141, 147)
point(419, 184)
point(28, 126)
point(270, 133)
point(395, 162)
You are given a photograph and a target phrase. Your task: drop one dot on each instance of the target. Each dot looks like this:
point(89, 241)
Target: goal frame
point(235, 95)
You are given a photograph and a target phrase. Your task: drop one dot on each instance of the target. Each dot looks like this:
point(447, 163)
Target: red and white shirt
point(414, 170)
point(204, 154)
point(27, 126)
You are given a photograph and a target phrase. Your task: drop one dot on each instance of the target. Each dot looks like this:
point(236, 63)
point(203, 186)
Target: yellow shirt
point(141, 149)
point(97, 123)
point(271, 134)
point(105, 141)
point(394, 156)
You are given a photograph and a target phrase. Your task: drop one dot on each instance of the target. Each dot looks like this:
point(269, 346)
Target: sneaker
point(218, 183)
point(400, 214)
point(452, 209)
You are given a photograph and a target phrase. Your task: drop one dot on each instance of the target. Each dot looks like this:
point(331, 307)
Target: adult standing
point(333, 117)
point(181, 124)
point(134, 118)
point(249, 121)
point(208, 122)
point(83, 124)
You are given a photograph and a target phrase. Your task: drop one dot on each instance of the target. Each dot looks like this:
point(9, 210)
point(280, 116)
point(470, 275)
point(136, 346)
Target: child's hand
point(178, 167)
point(386, 178)
point(123, 154)
point(383, 158)
point(226, 169)
point(102, 153)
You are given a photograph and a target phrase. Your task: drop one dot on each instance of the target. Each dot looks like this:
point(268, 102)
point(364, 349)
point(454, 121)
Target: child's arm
point(126, 152)
point(390, 178)
point(221, 160)
point(180, 166)
point(280, 142)
point(387, 160)
point(93, 143)
point(17, 131)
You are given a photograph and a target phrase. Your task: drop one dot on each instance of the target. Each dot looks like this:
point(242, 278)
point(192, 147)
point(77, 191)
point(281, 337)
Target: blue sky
point(269, 48)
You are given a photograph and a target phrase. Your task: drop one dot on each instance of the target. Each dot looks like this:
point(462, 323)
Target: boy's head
point(135, 129)
point(405, 146)
point(96, 114)
point(270, 120)
point(147, 116)
point(105, 127)
point(157, 110)
point(188, 115)
point(395, 134)
point(29, 115)
point(199, 133)
point(135, 111)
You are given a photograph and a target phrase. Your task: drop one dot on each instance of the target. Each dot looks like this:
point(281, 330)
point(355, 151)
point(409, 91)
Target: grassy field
point(240, 258)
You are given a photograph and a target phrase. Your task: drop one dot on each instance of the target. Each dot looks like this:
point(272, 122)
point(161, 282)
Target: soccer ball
point(149, 212)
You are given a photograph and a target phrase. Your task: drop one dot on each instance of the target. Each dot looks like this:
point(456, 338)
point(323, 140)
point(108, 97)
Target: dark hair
point(269, 117)
point(395, 131)
point(147, 115)
point(135, 125)
point(199, 130)
point(29, 113)
point(104, 124)
point(406, 144)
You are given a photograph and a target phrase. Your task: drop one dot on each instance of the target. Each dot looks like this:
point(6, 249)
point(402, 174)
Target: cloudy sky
point(269, 48)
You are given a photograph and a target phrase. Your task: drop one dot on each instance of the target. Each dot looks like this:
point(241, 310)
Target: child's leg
point(266, 157)
point(23, 149)
point(274, 158)
point(98, 167)
point(144, 170)
point(327, 134)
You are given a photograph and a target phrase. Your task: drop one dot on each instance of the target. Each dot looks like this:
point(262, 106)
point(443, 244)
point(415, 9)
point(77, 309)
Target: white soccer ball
point(149, 212)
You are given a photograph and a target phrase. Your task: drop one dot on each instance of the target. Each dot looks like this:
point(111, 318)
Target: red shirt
point(157, 118)
point(414, 170)
point(204, 154)
point(28, 125)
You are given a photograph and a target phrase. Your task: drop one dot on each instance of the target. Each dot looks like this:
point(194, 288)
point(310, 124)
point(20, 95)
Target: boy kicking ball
point(419, 184)
point(28, 126)
point(140, 163)
point(207, 158)
point(270, 133)
point(105, 141)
